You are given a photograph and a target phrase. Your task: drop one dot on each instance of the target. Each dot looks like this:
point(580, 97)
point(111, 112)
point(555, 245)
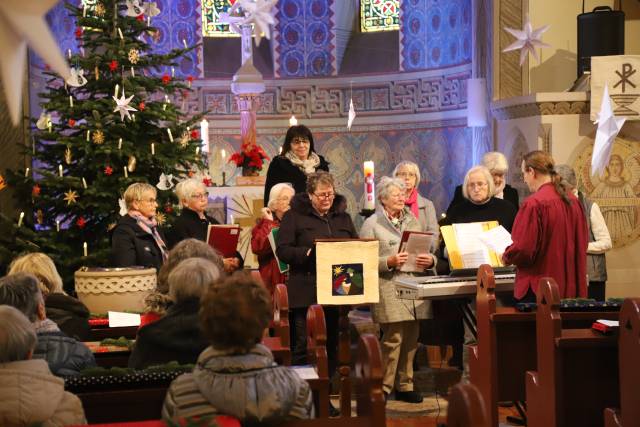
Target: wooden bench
point(466, 407)
point(108, 356)
point(279, 344)
point(317, 356)
point(577, 369)
point(506, 345)
point(98, 333)
point(629, 356)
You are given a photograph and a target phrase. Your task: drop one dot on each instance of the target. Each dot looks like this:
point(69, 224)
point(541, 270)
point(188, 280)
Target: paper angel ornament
point(43, 121)
point(256, 12)
point(151, 9)
point(608, 127)
point(134, 8)
point(77, 78)
point(165, 182)
point(527, 40)
point(352, 114)
point(122, 106)
point(123, 207)
point(22, 22)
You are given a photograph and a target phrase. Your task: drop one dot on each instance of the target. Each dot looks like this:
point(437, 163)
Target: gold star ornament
point(98, 137)
point(70, 197)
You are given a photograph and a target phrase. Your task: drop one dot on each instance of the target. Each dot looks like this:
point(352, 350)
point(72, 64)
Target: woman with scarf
point(297, 160)
point(136, 240)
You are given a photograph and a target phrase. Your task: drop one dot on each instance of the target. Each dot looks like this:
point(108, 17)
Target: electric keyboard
point(443, 287)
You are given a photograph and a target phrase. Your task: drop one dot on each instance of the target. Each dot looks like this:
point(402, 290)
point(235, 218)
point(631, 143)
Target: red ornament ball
point(113, 65)
point(35, 191)
point(72, 122)
point(108, 170)
point(81, 222)
point(141, 106)
point(195, 134)
point(166, 79)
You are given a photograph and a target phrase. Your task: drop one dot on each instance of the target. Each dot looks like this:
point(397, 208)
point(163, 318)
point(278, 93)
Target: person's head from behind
point(141, 197)
point(409, 172)
point(497, 164)
point(188, 248)
point(299, 141)
point(41, 266)
point(537, 168)
point(193, 195)
point(21, 291)
point(478, 186)
point(279, 198)
point(17, 335)
point(321, 190)
point(568, 176)
point(235, 312)
point(191, 279)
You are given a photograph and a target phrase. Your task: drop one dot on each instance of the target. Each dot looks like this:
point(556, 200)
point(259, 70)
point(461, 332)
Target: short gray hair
point(385, 184)
point(275, 191)
point(567, 174)
point(191, 278)
point(487, 176)
point(17, 335)
point(187, 188)
point(20, 290)
point(135, 191)
point(410, 165)
point(495, 161)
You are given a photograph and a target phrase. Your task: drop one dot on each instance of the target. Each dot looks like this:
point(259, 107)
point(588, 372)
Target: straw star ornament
point(123, 107)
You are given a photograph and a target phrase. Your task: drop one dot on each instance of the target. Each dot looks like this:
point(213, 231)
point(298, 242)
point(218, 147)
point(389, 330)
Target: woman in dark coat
point(137, 239)
point(317, 214)
point(297, 160)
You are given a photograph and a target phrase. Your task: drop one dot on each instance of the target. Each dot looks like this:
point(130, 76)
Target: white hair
point(413, 167)
point(275, 192)
point(17, 335)
point(487, 175)
point(187, 188)
point(384, 187)
point(191, 278)
point(495, 161)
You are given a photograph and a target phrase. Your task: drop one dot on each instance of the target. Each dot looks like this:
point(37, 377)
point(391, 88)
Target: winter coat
point(64, 355)
point(260, 245)
point(132, 246)
point(71, 316)
point(509, 194)
point(391, 308)
point(282, 170)
point(250, 387)
point(175, 336)
point(30, 395)
point(300, 227)
point(428, 220)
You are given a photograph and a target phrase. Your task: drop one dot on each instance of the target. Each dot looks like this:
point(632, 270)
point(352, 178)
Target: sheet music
point(472, 251)
point(416, 244)
point(306, 372)
point(498, 239)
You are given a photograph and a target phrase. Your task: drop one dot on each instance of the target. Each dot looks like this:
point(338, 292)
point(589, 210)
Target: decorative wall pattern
point(304, 39)
point(434, 33)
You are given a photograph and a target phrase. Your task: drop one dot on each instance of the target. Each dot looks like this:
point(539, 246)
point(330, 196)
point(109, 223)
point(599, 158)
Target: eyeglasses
point(324, 195)
point(300, 141)
point(406, 175)
point(200, 195)
point(477, 184)
point(150, 200)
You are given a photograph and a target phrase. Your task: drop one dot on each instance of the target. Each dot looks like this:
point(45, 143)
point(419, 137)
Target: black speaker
point(600, 33)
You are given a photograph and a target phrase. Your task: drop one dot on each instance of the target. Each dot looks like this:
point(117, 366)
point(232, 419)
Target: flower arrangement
point(251, 157)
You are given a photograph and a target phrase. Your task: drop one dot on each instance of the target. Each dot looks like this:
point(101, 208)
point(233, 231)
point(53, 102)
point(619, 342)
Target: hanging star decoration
point(352, 114)
point(77, 78)
point(108, 170)
point(123, 107)
point(21, 23)
point(100, 10)
point(527, 40)
point(81, 222)
point(161, 218)
point(3, 183)
point(113, 65)
point(98, 137)
point(67, 156)
point(256, 12)
point(608, 128)
point(134, 56)
point(184, 140)
point(71, 197)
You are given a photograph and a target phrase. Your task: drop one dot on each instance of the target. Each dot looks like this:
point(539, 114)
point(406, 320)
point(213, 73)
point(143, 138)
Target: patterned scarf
point(412, 202)
point(395, 221)
point(307, 166)
point(150, 226)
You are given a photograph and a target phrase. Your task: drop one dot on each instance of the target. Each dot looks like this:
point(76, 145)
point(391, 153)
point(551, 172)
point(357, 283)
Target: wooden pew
point(506, 345)
point(577, 369)
point(466, 407)
point(279, 344)
point(98, 333)
point(317, 356)
point(629, 355)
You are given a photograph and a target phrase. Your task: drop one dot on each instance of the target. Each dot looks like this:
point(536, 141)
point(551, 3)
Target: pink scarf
point(150, 226)
point(412, 202)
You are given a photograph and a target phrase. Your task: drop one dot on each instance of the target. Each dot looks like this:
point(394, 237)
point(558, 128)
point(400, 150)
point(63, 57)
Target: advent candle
point(20, 219)
point(369, 191)
point(119, 143)
point(71, 101)
point(204, 135)
point(58, 225)
point(60, 170)
point(153, 149)
point(84, 183)
point(26, 172)
point(84, 248)
point(126, 172)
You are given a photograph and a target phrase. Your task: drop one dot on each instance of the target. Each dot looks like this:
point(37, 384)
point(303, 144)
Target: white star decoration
point(352, 114)
point(256, 12)
point(22, 22)
point(123, 107)
point(608, 127)
point(527, 40)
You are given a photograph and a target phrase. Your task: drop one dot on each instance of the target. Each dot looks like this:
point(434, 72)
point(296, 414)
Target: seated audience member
point(137, 239)
point(236, 375)
point(194, 222)
point(279, 199)
point(64, 355)
point(29, 394)
point(497, 164)
point(177, 336)
point(158, 301)
point(71, 316)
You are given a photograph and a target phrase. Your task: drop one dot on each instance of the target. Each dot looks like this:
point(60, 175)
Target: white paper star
point(165, 182)
point(352, 114)
point(151, 9)
point(527, 40)
point(608, 127)
point(256, 12)
point(134, 8)
point(77, 78)
point(22, 22)
point(123, 107)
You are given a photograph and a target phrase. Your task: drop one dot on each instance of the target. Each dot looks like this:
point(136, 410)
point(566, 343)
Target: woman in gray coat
point(398, 318)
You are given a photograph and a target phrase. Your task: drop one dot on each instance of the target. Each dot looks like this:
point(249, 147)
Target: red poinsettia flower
point(78, 32)
point(108, 170)
point(35, 191)
point(166, 79)
point(195, 134)
point(140, 17)
point(141, 106)
point(113, 65)
point(207, 181)
point(72, 122)
point(249, 156)
point(81, 222)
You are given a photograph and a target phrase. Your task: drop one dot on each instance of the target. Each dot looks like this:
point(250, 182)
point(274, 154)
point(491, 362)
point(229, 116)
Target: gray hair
point(487, 176)
point(275, 192)
point(384, 187)
point(191, 278)
point(187, 188)
point(17, 335)
point(567, 174)
point(319, 177)
point(136, 191)
point(409, 165)
point(41, 266)
point(495, 161)
point(20, 290)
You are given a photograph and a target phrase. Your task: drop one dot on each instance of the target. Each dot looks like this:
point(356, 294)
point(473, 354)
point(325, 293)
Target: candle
point(84, 248)
point(120, 144)
point(133, 73)
point(293, 121)
point(173, 72)
point(184, 42)
point(369, 191)
point(69, 53)
point(49, 125)
point(26, 172)
point(153, 149)
point(230, 219)
point(117, 89)
point(170, 134)
point(133, 117)
point(20, 219)
point(224, 178)
point(60, 170)
point(88, 135)
point(120, 33)
point(197, 150)
point(84, 12)
point(71, 101)
point(126, 173)
point(280, 150)
point(58, 225)
point(204, 135)
point(84, 182)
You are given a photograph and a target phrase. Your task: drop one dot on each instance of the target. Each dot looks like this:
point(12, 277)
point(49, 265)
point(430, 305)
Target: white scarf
point(307, 166)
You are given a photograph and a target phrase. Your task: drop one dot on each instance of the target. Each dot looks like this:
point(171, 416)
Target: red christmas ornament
point(207, 181)
point(195, 134)
point(168, 209)
point(78, 32)
point(141, 106)
point(166, 79)
point(190, 79)
point(190, 174)
point(140, 17)
point(72, 122)
point(81, 222)
point(35, 192)
point(108, 170)
point(113, 65)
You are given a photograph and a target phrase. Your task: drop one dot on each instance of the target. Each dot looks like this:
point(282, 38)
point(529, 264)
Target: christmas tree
point(114, 122)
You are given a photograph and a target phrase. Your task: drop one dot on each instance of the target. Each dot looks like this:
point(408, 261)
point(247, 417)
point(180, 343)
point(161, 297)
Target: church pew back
point(466, 407)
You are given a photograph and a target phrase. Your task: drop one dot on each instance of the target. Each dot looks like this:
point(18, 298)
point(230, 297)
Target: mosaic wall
point(434, 33)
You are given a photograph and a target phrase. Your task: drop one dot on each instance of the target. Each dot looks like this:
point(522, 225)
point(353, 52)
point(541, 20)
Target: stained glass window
point(211, 26)
point(379, 15)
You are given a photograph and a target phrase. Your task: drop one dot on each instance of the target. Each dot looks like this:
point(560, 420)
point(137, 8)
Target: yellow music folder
point(465, 248)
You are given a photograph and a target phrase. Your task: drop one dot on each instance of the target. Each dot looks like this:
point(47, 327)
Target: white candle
point(58, 225)
point(84, 12)
point(170, 134)
point(197, 150)
point(84, 182)
point(369, 191)
point(173, 72)
point(133, 73)
point(85, 249)
point(20, 219)
point(133, 117)
point(293, 121)
point(223, 154)
point(88, 135)
point(49, 125)
point(69, 53)
point(60, 170)
point(117, 89)
point(184, 42)
point(26, 172)
point(230, 219)
point(153, 149)
point(120, 33)
point(71, 101)
point(204, 135)
point(126, 172)
point(119, 143)
point(280, 150)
